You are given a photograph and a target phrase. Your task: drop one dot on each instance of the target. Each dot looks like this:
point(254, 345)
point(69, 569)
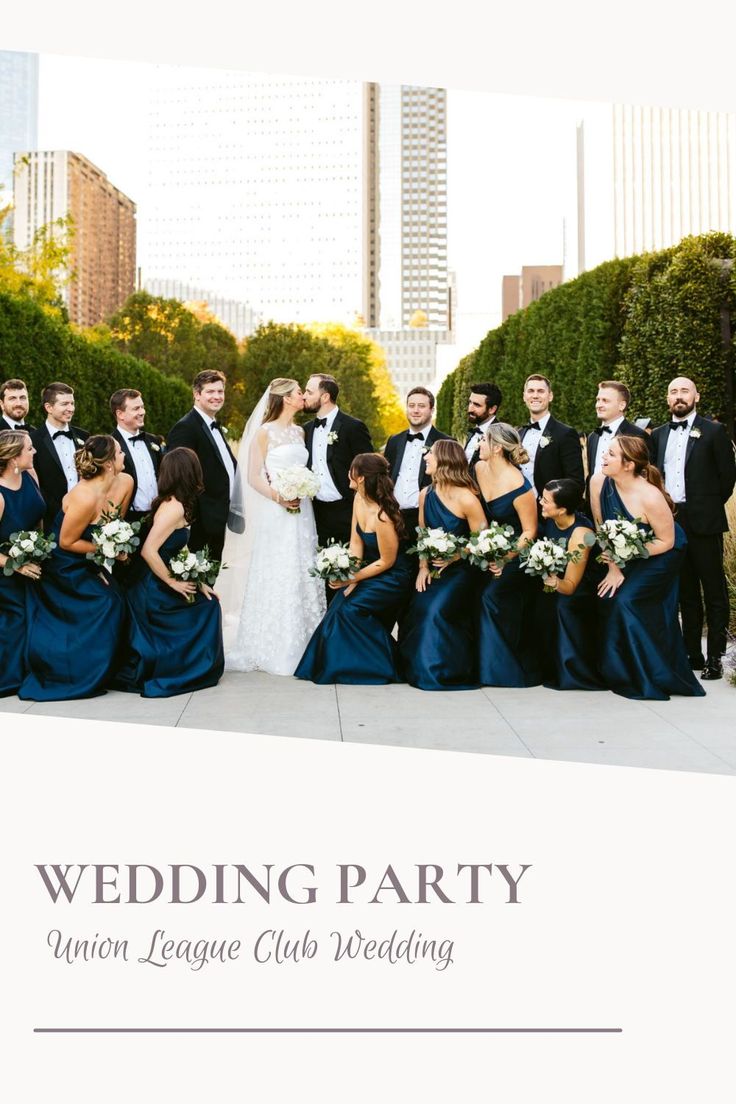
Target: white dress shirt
point(532, 437)
point(221, 446)
point(474, 443)
point(327, 492)
point(406, 489)
point(605, 443)
point(65, 449)
point(147, 487)
point(674, 458)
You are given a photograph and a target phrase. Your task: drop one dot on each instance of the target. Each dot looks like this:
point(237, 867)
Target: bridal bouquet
point(547, 556)
point(621, 541)
point(334, 564)
point(489, 546)
point(112, 536)
point(296, 481)
point(436, 544)
point(194, 567)
point(28, 546)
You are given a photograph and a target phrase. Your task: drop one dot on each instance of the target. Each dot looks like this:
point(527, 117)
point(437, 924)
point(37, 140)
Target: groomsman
point(14, 405)
point(406, 451)
point(483, 404)
point(697, 459)
point(610, 405)
point(200, 431)
point(55, 442)
point(553, 447)
point(333, 440)
point(142, 452)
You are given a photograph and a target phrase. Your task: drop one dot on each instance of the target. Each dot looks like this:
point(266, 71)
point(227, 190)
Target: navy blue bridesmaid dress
point(437, 635)
point(643, 654)
point(24, 510)
point(567, 625)
point(76, 619)
point(174, 647)
point(353, 642)
point(507, 655)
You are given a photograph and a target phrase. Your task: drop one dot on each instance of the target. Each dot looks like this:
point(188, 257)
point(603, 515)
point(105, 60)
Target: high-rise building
point(240, 318)
point(519, 291)
point(52, 184)
point(18, 112)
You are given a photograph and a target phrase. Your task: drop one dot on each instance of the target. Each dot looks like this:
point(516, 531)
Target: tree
point(44, 268)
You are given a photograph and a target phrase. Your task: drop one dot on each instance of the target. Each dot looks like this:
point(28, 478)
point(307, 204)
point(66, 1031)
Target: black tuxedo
point(334, 518)
point(154, 445)
point(626, 429)
point(394, 453)
point(51, 478)
point(562, 458)
point(710, 474)
point(192, 431)
point(5, 424)
point(476, 454)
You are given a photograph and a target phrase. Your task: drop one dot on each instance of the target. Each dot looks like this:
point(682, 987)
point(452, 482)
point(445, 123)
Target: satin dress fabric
point(437, 637)
point(643, 654)
point(353, 642)
point(173, 646)
point(24, 510)
point(76, 624)
point(507, 655)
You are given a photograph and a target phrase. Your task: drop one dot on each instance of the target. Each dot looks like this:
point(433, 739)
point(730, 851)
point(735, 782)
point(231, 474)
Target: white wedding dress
point(282, 604)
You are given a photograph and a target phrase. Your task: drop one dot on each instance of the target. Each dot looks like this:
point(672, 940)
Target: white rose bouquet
point(436, 544)
point(296, 481)
point(621, 541)
point(112, 537)
point(28, 546)
point(489, 546)
point(547, 556)
point(334, 564)
point(196, 567)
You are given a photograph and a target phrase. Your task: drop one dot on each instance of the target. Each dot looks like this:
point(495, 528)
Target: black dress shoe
point(697, 663)
point(712, 670)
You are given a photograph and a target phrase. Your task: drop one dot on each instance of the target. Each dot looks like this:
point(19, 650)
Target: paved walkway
point(693, 734)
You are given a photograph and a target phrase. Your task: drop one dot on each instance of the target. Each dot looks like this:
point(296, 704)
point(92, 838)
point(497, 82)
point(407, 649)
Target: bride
point(271, 604)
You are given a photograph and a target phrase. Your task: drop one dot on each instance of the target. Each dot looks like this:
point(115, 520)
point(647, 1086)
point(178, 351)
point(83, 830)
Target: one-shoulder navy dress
point(437, 645)
point(642, 651)
point(353, 642)
point(76, 620)
point(174, 646)
point(24, 510)
point(507, 655)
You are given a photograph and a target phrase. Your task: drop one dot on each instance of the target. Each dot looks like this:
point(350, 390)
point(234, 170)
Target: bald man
point(697, 460)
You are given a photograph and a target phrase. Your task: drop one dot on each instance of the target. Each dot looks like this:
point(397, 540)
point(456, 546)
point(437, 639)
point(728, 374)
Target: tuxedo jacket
point(155, 448)
point(561, 458)
point(710, 473)
point(5, 424)
point(626, 429)
point(352, 438)
point(193, 432)
point(476, 454)
point(48, 467)
point(394, 453)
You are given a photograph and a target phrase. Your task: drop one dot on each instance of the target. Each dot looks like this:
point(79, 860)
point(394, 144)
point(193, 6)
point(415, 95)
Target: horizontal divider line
point(327, 1030)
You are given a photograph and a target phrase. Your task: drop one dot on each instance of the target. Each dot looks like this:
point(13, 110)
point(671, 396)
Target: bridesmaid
point(353, 643)
point(507, 655)
point(77, 613)
point(437, 636)
point(643, 653)
point(22, 507)
point(567, 624)
point(175, 646)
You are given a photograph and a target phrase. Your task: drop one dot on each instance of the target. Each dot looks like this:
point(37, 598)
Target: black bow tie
point(319, 422)
point(532, 425)
point(138, 437)
point(602, 429)
point(678, 425)
point(414, 437)
point(19, 425)
point(215, 425)
point(61, 433)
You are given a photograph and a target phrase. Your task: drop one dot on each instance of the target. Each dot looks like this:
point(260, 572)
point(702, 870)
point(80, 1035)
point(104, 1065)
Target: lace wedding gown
point(282, 604)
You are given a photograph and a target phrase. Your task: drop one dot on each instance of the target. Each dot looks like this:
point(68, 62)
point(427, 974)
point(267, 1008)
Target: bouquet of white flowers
point(489, 546)
point(547, 556)
point(621, 541)
point(436, 544)
point(195, 567)
point(113, 535)
point(296, 481)
point(334, 564)
point(28, 546)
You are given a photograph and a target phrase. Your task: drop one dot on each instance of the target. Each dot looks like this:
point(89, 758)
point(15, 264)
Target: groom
point(333, 441)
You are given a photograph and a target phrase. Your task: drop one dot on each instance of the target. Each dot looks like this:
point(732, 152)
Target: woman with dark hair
point(76, 614)
point(353, 643)
point(642, 651)
point(566, 623)
point(506, 652)
point(175, 636)
point(437, 635)
point(22, 507)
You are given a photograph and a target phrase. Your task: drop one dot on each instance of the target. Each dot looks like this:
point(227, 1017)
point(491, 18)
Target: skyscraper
point(18, 112)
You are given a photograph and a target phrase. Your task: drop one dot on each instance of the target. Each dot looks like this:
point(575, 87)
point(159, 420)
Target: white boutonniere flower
point(78, 442)
point(544, 441)
point(155, 447)
point(331, 437)
point(695, 433)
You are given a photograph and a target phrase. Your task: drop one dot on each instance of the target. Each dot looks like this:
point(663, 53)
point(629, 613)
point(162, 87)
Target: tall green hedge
point(40, 348)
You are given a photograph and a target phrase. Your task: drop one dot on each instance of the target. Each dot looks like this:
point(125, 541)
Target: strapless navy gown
point(353, 642)
point(507, 655)
point(567, 626)
point(643, 654)
point(75, 628)
point(24, 510)
point(174, 647)
point(437, 635)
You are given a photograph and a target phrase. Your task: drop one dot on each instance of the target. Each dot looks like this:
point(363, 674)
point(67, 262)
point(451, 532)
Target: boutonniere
point(426, 449)
point(155, 447)
point(544, 441)
point(695, 433)
point(79, 442)
point(331, 437)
